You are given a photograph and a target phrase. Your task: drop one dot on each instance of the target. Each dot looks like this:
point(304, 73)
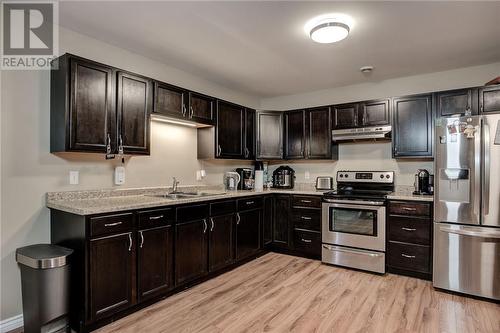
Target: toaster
point(324, 183)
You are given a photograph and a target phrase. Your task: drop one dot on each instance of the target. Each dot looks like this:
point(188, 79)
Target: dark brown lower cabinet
point(112, 274)
point(191, 260)
point(248, 233)
point(155, 261)
point(281, 223)
point(267, 220)
point(220, 244)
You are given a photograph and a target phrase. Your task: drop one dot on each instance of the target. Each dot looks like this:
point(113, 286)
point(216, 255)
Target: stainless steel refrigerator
point(466, 255)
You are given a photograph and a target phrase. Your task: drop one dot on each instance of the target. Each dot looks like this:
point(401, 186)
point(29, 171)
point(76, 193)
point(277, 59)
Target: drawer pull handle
point(407, 256)
point(250, 202)
point(113, 224)
point(306, 218)
point(155, 217)
point(306, 201)
point(409, 209)
point(408, 229)
point(306, 240)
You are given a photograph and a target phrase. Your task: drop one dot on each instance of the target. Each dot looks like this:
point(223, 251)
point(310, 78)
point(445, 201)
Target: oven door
point(354, 225)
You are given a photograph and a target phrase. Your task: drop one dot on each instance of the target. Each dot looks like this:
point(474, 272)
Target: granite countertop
point(406, 193)
point(106, 201)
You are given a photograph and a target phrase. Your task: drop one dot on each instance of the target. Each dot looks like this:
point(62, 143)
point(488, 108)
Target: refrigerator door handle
point(486, 184)
point(471, 233)
point(477, 170)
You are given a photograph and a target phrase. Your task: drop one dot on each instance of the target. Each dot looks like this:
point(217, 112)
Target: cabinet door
point(112, 274)
point(374, 113)
point(269, 135)
point(295, 133)
point(268, 220)
point(250, 134)
point(220, 244)
point(230, 130)
point(191, 252)
point(135, 101)
point(170, 101)
point(345, 116)
point(201, 108)
point(456, 102)
point(92, 124)
point(319, 133)
point(281, 228)
point(413, 126)
point(247, 233)
point(489, 98)
point(155, 261)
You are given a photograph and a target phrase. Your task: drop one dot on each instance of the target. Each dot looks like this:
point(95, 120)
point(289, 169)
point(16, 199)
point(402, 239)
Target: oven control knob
point(341, 176)
point(387, 176)
point(381, 176)
point(346, 175)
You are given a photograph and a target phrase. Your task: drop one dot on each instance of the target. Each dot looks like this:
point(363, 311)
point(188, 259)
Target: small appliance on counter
point(246, 177)
point(283, 177)
point(424, 183)
point(324, 183)
point(231, 181)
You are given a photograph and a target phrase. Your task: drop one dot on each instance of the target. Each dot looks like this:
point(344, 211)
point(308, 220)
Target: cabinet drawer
point(250, 203)
point(192, 213)
point(222, 208)
point(309, 219)
point(410, 230)
point(408, 256)
point(308, 242)
point(156, 218)
point(111, 224)
point(306, 201)
point(410, 208)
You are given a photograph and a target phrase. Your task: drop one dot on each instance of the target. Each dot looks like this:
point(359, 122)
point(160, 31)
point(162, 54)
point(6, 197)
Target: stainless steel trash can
point(45, 274)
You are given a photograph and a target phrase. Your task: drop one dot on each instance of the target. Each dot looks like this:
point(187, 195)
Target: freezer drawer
point(467, 259)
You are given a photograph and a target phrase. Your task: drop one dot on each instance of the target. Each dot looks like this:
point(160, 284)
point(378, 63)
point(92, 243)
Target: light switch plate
point(119, 175)
point(198, 175)
point(74, 177)
point(307, 175)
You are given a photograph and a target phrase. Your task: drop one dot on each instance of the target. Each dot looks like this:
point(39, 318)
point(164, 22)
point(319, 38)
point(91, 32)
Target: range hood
point(363, 133)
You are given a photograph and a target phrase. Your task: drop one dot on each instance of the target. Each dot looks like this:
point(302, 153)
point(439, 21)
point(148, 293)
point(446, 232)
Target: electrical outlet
point(74, 177)
point(198, 175)
point(119, 175)
point(307, 175)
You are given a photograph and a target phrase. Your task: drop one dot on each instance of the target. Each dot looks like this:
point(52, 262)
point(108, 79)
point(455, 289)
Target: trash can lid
point(42, 256)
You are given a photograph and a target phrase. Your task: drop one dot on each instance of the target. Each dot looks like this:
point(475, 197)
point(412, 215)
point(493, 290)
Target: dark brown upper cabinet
point(413, 124)
point(295, 135)
point(230, 131)
point(98, 108)
point(319, 134)
point(456, 102)
point(134, 104)
point(249, 150)
point(201, 108)
point(269, 131)
point(489, 98)
point(345, 116)
point(374, 113)
point(170, 101)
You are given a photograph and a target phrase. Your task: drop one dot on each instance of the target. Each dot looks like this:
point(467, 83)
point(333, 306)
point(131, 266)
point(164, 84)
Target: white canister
point(259, 180)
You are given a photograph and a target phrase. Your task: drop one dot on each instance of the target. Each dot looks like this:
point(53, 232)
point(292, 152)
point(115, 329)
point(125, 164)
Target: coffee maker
point(423, 182)
point(246, 179)
point(283, 177)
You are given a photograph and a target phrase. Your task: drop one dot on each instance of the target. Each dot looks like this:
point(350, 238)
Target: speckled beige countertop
point(406, 193)
point(113, 200)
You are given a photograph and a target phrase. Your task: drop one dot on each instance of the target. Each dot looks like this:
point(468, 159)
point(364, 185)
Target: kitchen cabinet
point(306, 223)
point(295, 135)
point(170, 101)
point(98, 108)
point(267, 223)
point(345, 116)
point(374, 113)
point(220, 250)
point(247, 233)
point(456, 102)
point(201, 108)
point(281, 225)
point(319, 134)
point(230, 130)
point(413, 126)
point(249, 150)
point(269, 135)
point(489, 98)
point(112, 274)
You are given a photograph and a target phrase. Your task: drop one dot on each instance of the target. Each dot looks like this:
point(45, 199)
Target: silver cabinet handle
point(409, 209)
point(183, 110)
point(108, 145)
point(486, 184)
point(191, 112)
point(205, 226)
point(238, 218)
point(142, 239)
point(112, 224)
point(212, 224)
point(306, 218)
point(120, 147)
point(129, 242)
point(219, 150)
point(250, 202)
point(155, 217)
point(408, 229)
point(247, 152)
point(407, 256)
point(306, 201)
point(306, 240)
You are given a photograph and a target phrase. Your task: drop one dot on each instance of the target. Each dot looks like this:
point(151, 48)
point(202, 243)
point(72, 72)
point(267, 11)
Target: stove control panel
point(386, 177)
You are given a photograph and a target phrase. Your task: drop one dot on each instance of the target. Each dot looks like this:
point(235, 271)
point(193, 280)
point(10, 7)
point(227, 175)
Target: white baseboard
point(11, 323)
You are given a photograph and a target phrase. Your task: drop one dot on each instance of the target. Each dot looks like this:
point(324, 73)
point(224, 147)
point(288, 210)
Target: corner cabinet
point(456, 102)
point(269, 132)
point(412, 126)
point(235, 131)
point(98, 108)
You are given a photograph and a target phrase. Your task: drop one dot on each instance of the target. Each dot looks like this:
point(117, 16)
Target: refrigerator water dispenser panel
point(454, 185)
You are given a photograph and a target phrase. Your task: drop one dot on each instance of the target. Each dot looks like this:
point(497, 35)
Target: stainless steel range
point(354, 220)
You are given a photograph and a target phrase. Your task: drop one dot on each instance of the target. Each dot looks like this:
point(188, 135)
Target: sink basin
point(185, 195)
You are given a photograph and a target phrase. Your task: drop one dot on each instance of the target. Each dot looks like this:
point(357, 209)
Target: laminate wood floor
point(280, 293)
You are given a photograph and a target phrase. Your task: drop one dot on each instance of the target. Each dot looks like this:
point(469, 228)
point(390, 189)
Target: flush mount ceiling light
point(329, 28)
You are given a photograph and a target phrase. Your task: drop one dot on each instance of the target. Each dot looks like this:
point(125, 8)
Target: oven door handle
point(352, 251)
point(352, 202)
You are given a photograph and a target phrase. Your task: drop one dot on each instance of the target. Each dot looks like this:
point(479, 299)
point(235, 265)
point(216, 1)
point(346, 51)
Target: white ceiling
point(260, 48)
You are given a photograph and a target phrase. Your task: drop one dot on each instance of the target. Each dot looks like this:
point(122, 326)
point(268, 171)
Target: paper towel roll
point(259, 180)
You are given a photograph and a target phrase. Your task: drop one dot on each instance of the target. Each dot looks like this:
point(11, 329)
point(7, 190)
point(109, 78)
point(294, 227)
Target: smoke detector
point(366, 69)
